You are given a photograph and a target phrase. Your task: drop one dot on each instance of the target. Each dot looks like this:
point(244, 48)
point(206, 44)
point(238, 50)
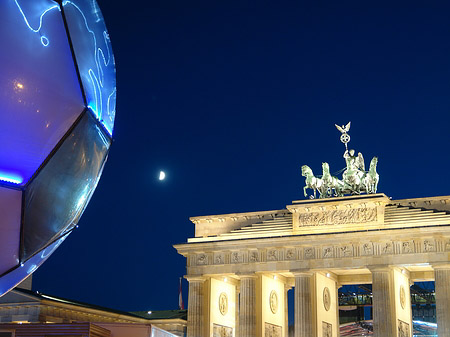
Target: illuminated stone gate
point(240, 266)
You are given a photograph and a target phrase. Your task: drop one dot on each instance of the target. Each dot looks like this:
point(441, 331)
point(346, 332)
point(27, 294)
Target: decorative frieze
point(327, 252)
point(447, 245)
point(338, 217)
point(309, 253)
point(407, 247)
point(331, 251)
point(222, 331)
point(219, 258)
point(253, 256)
point(367, 249)
point(346, 251)
point(403, 329)
point(272, 255)
point(429, 245)
point(290, 254)
point(327, 329)
point(272, 330)
point(237, 257)
point(387, 248)
point(202, 259)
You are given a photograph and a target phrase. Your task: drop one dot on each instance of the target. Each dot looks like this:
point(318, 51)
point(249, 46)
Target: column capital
point(195, 278)
point(302, 272)
point(246, 275)
point(380, 268)
point(440, 266)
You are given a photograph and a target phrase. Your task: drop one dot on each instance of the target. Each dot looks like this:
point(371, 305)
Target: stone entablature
point(337, 251)
point(338, 215)
point(211, 225)
point(374, 230)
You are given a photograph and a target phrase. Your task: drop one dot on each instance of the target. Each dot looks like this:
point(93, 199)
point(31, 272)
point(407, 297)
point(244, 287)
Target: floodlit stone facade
point(240, 266)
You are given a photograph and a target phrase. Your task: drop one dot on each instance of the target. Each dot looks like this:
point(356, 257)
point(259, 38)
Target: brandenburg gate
point(240, 266)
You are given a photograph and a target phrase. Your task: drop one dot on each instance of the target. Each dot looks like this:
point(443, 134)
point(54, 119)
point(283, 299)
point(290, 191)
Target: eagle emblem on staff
point(355, 179)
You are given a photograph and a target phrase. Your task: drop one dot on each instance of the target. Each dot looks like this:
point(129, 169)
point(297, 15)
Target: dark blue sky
point(230, 98)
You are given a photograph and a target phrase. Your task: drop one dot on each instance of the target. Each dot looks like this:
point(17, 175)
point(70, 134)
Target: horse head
point(306, 170)
point(325, 168)
point(373, 164)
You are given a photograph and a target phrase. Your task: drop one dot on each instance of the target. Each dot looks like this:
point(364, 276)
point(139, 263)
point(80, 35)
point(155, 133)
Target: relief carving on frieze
point(387, 248)
point(327, 329)
point(222, 331)
point(202, 259)
point(219, 258)
point(309, 253)
point(429, 245)
point(367, 248)
point(338, 217)
point(253, 256)
point(237, 257)
point(272, 255)
point(403, 329)
point(447, 245)
point(347, 251)
point(272, 330)
point(328, 252)
point(290, 254)
point(407, 247)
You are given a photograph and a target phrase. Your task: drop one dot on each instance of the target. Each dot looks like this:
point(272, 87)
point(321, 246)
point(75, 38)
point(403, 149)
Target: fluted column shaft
point(442, 284)
point(384, 323)
point(195, 326)
point(303, 305)
point(247, 307)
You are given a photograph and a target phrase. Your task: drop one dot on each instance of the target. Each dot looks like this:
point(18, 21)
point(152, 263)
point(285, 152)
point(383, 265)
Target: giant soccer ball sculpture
point(57, 108)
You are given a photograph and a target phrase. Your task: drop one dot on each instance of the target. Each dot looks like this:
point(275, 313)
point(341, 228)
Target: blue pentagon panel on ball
point(58, 195)
point(57, 108)
point(94, 56)
point(40, 94)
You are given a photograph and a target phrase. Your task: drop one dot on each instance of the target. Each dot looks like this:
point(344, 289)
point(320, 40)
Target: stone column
point(337, 308)
point(236, 314)
point(195, 327)
point(286, 309)
point(304, 323)
point(247, 306)
point(442, 286)
point(384, 323)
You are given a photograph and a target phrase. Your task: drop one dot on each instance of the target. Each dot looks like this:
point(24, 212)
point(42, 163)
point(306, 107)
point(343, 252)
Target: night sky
point(230, 98)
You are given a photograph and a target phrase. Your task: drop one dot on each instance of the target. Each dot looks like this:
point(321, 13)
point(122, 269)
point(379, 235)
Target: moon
point(162, 175)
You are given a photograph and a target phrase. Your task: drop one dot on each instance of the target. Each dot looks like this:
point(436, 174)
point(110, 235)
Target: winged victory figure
point(343, 128)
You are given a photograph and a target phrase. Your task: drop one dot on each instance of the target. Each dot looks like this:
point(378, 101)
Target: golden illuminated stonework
point(316, 246)
point(326, 298)
point(273, 299)
point(223, 304)
point(402, 296)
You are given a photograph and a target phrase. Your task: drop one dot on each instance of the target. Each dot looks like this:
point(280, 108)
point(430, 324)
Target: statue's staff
point(345, 137)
